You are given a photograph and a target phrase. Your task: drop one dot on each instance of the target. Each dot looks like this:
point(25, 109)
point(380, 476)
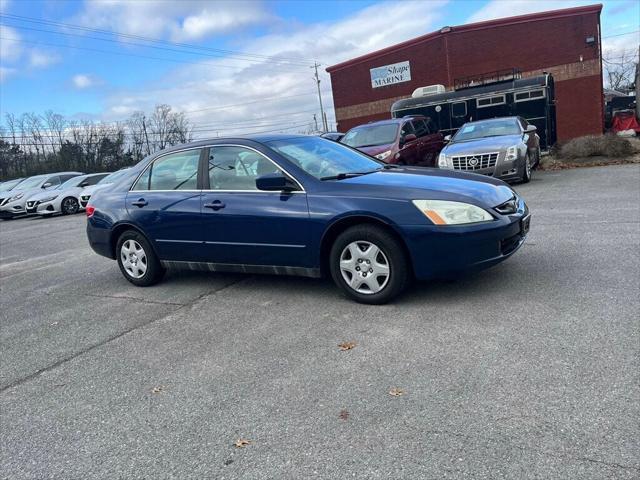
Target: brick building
point(565, 43)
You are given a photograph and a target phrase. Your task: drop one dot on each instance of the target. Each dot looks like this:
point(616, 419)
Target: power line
point(113, 53)
point(208, 55)
point(621, 34)
point(152, 40)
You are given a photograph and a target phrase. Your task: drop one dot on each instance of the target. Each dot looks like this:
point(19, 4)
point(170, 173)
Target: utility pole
point(317, 80)
point(144, 128)
point(638, 84)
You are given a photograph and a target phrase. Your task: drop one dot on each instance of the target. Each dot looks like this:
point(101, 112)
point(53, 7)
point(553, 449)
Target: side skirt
point(242, 268)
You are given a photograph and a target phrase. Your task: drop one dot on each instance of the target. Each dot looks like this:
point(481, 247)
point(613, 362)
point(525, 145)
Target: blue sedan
point(303, 205)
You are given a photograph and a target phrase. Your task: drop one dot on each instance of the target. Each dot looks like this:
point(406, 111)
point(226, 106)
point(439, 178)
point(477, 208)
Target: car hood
point(26, 193)
point(50, 193)
point(375, 150)
point(483, 145)
point(416, 183)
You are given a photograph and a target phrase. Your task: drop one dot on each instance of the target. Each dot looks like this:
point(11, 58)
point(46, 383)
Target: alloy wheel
point(70, 206)
point(364, 267)
point(133, 258)
point(527, 166)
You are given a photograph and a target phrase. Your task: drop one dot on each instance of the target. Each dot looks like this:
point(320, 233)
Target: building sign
point(390, 74)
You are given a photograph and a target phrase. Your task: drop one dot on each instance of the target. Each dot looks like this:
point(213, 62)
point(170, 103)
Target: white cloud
point(179, 20)
point(4, 5)
point(42, 59)
point(509, 8)
point(6, 72)
point(10, 46)
point(207, 85)
point(82, 81)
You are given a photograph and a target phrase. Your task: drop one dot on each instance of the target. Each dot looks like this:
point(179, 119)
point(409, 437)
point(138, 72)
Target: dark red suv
point(407, 141)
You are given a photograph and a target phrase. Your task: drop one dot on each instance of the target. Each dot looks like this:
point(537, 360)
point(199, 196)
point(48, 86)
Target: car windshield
point(489, 128)
point(6, 186)
point(371, 135)
point(113, 177)
point(32, 182)
point(323, 158)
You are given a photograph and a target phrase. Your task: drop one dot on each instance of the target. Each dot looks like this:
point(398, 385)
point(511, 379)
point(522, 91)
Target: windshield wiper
point(342, 176)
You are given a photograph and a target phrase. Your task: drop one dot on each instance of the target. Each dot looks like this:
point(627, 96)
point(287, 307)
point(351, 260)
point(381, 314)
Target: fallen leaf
point(344, 415)
point(241, 443)
point(156, 389)
point(344, 346)
point(396, 392)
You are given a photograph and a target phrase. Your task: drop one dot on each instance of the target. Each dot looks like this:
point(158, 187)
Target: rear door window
point(176, 171)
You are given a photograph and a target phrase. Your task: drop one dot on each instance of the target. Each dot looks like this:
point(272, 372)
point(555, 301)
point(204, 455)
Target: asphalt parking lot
point(527, 370)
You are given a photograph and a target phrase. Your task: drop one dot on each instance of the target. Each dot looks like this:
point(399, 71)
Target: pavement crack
point(180, 306)
point(120, 297)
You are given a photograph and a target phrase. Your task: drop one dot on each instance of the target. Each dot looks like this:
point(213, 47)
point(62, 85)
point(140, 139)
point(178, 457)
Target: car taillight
point(90, 209)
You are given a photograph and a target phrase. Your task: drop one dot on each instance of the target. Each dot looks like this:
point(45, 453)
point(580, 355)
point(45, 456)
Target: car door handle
point(215, 205)
point(140, 203)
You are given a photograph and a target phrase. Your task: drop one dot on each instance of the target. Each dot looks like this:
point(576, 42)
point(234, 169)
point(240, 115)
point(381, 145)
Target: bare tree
point(620, 69)
point(56, 125)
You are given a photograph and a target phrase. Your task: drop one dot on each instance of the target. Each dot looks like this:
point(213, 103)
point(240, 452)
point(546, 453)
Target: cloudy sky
point(233, 66)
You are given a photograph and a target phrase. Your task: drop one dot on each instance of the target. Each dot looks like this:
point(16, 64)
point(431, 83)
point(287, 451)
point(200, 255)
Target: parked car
point(507, 148)
point(64, 198)
point(10, 185)
point(310, 206)
point(13, 203)
point(86, 194)
point(404, 141)
point(335, 136)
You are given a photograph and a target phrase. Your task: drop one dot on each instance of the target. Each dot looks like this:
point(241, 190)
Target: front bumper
point(13, 209)
point(448, 251)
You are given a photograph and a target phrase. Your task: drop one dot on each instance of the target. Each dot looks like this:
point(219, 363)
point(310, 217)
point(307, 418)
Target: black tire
point(69, 206)
point(393, 255)
point(527, 170)
point(153, 269)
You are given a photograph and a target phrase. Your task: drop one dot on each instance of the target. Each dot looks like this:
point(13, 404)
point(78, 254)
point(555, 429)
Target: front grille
point(31, 204)
point(508, 245)
point(475, 162)
point(85, 198)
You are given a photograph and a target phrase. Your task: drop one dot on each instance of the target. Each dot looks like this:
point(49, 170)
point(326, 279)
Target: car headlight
point(442, 161)
point(442, 212)
point(512, 153)
point(383, 155)
point(48, 199)
point(16, 197)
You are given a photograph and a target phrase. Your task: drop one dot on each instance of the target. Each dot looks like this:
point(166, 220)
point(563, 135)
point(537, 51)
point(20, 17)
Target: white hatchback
point(63, 199)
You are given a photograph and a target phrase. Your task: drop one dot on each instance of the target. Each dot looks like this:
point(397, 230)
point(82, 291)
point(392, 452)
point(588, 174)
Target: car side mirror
point(275, 182)
point(531, 128)
point(46, 185)
point(447, 138)
point(84, 184)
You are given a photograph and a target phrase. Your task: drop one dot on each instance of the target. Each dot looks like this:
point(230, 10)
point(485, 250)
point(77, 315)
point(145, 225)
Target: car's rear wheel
point(526, 169)
point(70, 206)
point(137, 261)
point(369, 264)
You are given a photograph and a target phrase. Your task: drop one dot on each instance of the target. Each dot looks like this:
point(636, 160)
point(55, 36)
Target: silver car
point(507, 148)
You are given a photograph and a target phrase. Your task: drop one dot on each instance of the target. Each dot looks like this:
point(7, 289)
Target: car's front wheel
point(369, 264)
point(70, 206)
point(137, 261)
point(526, 169)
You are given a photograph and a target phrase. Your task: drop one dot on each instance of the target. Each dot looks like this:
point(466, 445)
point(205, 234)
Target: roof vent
point(428, 90)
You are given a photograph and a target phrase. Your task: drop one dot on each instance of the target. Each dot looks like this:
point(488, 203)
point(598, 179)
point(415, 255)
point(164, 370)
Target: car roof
point(240, 139)
point(392, 121)
point(512, 117)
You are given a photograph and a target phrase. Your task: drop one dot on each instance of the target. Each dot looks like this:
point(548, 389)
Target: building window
point(490, 101)
point(530, 95)
point(459, 109)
